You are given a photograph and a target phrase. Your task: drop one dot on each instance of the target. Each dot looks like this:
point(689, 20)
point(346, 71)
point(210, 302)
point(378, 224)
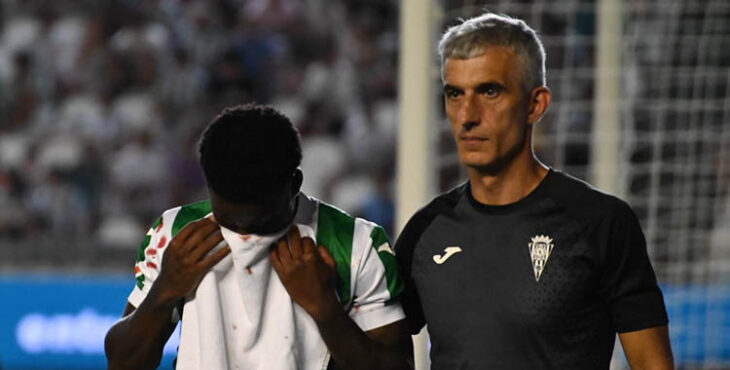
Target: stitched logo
point(448, 252)
point(540, 249)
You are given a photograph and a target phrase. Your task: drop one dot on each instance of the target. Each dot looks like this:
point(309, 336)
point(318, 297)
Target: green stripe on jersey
point(143, 247)
point(395, 283)
point(335, 229)
point(189, 213)
point(146, 241)
point(186, 214)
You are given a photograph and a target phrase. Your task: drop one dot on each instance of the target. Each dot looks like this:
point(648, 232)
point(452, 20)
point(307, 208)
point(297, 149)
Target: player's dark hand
point(187, 258)
point(307, 272)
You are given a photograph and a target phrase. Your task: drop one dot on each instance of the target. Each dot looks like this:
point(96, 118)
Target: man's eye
point(490, 90)
point(452, 93)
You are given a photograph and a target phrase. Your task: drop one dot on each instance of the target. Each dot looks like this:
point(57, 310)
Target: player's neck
point(512, 183)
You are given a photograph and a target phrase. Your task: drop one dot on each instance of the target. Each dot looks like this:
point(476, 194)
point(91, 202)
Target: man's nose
point(469, 115)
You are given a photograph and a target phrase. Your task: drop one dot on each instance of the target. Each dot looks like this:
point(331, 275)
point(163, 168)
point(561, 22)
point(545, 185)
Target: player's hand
point(307, 272)
point(187, 258)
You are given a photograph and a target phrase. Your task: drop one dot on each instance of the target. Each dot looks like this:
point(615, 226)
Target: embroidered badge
point(540, 249)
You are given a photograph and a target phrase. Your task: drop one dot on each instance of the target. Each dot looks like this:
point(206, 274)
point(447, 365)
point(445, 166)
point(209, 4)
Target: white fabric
point(243, 318)
point(225, 327)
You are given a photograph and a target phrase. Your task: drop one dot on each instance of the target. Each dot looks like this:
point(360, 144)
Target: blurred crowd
point(102, 104)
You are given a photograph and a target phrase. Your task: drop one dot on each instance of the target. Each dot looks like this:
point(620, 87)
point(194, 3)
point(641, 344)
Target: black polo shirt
point(545, 282)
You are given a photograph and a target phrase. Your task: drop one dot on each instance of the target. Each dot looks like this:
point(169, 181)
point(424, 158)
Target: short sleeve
point(378, 284)
point(149, 259)
point(404, 249)
point(628, 282)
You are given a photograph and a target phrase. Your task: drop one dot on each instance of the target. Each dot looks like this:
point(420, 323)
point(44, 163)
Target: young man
point(244, 274)
point(522, 267)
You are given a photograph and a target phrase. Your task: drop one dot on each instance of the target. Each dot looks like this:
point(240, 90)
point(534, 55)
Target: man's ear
point(540, 98)
point(297, 180)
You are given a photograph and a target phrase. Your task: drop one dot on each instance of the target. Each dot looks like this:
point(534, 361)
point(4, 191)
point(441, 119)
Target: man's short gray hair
point(473, 36)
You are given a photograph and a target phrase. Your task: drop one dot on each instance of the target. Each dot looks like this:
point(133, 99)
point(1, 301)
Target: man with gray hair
point(522, 266)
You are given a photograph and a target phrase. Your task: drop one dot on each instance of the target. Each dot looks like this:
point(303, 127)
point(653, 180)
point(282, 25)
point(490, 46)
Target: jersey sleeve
point(377, 284)
point(628, 282)
point(404, 249)
point(149, 260)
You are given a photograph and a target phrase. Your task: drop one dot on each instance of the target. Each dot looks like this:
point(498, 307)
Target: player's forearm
point(136, 341)
point(351, 348)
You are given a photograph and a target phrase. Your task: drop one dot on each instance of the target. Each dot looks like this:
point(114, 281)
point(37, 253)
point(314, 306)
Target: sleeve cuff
point(641, 324)
point(136, 297)
point(376, 317)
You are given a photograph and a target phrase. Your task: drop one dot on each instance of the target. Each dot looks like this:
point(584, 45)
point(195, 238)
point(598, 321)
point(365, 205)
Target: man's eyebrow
point(450, 87)
point(489, 83)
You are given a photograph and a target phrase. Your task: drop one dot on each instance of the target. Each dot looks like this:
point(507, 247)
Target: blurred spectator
point(103, 105)
point(380, 205)
point(15, 218)
point(139, 175)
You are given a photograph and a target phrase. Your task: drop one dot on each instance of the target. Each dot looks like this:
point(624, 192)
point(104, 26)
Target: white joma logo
point(448, 252)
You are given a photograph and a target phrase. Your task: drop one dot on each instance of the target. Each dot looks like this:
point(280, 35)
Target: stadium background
point(102, 103)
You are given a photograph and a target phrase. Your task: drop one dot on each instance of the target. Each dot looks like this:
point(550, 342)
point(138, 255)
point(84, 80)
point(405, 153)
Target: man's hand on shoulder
point(307, 272)
point(188, 258)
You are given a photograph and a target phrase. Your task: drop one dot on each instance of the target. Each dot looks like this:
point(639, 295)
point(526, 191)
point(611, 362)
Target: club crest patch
point(540, 249)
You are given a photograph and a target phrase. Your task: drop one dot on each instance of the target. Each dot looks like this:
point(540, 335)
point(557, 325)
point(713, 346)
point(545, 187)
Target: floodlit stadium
point(103, 104)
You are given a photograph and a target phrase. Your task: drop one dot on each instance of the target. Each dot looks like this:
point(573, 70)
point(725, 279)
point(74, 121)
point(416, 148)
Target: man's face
point(260, 218)
point(487, 107)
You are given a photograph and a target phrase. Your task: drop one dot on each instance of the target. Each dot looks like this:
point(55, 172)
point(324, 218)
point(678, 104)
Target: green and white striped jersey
point(368, 283)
